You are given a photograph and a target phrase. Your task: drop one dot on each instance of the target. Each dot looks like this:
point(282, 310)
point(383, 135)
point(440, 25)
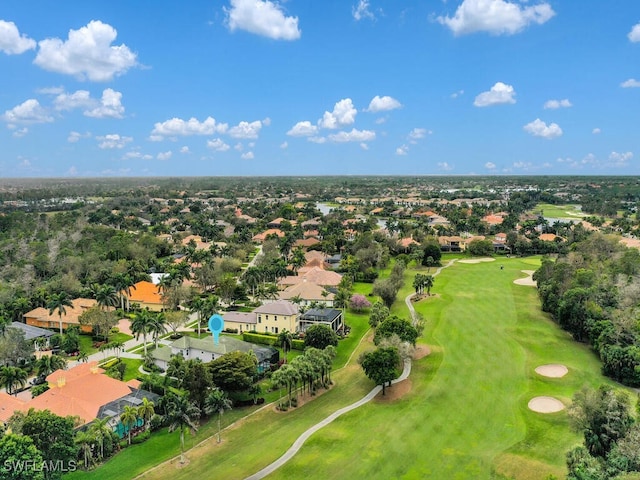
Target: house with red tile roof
point(261, 237)
point(40, 317)
point(147, 295)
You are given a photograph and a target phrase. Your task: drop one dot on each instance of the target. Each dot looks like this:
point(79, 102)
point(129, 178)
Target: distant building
point(40, 317)
point(147, 295)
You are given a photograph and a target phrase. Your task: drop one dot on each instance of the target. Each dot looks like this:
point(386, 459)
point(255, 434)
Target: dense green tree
point(196, 380)
point(431, 249)
point(100, 320)
point(394, 325)
point(14, 348)
point(381, 365)
point(234, 371)
point(320, 336)
point(53, 436)
point(379, 313)
point(18, 457)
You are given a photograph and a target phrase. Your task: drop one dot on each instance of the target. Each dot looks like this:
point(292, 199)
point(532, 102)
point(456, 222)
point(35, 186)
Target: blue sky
point(300, 87)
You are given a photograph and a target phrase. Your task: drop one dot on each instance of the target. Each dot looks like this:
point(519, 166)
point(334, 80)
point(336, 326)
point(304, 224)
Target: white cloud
point(317, 139)
point(619, 159)
point(110, 106)
point(596, 131)
point(554, 104)
point(21, 132)
point(538, 128)
point(137, 155)
point(185, 149)
point(11, 41)
point(86, 54)
point(361, 10)
point(457, 94)
point(28, 112)
point(381, 120)
point(73, 171)
point(353, 136)
point(113, 141)
point(262, 17)
point(164, 155)
point(364, 146)
point(246, 130)
point(218, 145)
point(490, 166)
point(71, 101)
point(631, 83)
point(402, 150)
point(344, 113)
point(382, 104)
point(500, 93)
point(634, 34)
point(303, 129)
point(266, 122)
point(284, 145)
point(50, 90)
point(247, 156)
point(239, 147)
point(496, 17)
point(74, 137)
point(178, 127)
point(445, 166)
point(418, 134)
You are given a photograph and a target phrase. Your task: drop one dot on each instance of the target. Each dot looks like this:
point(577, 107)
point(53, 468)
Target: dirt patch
point(528, 280)
point(302, 399)
point(421, 351)
point(545, 405)
point(477, 260)
point(417, 298)
point(394, 392)
point(553, 370)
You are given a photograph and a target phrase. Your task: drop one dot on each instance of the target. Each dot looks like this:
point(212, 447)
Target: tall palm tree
point(158, 326)
point(217, 402)
point(13, 378)
point(106, 296)
point(285, 340)
point(59, 302)
point(85, 440)
point(141, 325)
point(146, 410)
point(100, 429)
point(123, 284)
point(129, 418)
point(182, 415)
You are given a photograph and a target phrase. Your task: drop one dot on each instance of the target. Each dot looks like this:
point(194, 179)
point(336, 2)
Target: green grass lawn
point(466, 414)
point(559, 211)
point(86, 341)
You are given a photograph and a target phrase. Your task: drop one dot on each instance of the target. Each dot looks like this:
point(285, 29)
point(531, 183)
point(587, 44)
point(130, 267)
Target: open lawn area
point(465, 415)
point(569, 211)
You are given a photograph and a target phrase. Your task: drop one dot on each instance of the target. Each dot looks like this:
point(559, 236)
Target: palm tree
point(141, 325)
point(157, 327)
point(286, 375)
point(129, 418)
point(84, 440)
point(217, 402)
point(100, 429)
point(60, 302)
point(428, 283)
point(285, 340)
point(13, 378)
point(83, 357)
point(122, 284)
point(181, 415)
point(106, 296)
point(50, 363)
point(146, 410)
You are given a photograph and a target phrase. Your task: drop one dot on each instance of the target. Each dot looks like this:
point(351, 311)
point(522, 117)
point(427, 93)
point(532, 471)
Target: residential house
point(40, 317)
point(261, 237)
point(206, 350)
point(330, 317)
point(82, 392)
point(147, 295)
point(306, 293)
point(325, 278)
point(31, 333)
point(241, 321)
point(277, 316)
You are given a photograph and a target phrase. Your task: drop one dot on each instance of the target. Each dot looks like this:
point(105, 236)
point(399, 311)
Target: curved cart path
point(289, 454)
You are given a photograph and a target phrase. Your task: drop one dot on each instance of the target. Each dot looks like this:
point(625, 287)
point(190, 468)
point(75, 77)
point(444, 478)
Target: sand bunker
point(545, 405)
point(528, 280)
point(477, 260)
point(553, 370)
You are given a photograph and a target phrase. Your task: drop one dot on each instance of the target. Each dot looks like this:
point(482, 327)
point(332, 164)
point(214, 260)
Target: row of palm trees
point(13, 379)
point(311, 368)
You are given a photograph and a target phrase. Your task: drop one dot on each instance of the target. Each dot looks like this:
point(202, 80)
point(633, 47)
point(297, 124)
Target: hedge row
point(270, 339)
